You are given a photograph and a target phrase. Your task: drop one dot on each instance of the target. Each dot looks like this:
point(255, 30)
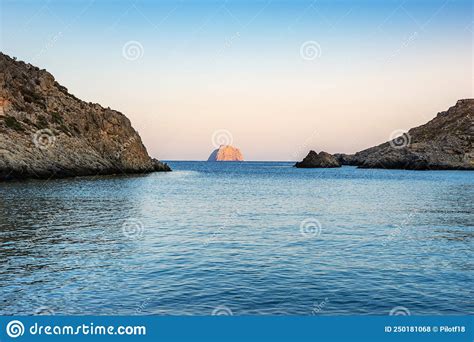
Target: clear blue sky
point(280, 77)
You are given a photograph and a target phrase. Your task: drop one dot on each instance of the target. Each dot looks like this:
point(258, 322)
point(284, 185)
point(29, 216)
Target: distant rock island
point(444, 143)
point(46, 132)
point(321, 160)
point(226, 153)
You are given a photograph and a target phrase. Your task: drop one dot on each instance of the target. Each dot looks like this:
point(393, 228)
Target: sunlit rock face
point(226, 153)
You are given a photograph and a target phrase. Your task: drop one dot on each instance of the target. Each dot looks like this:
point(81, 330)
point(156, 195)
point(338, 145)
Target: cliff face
point(444, 143)
point(226, 153)
point(46, 132)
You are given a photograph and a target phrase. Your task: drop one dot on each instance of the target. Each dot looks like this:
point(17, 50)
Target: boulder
point(321, 160)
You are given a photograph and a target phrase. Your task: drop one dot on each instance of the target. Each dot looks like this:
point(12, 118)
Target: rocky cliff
point(46, 132)
point(444, 143)
point(226, 153)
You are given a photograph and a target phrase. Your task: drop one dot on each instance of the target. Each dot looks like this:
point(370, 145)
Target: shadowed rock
point(321, 160)
point(46, 132)
point(160, 166)
point(345, 159)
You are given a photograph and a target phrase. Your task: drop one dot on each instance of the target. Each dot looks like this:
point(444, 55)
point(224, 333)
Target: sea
point(239, 238)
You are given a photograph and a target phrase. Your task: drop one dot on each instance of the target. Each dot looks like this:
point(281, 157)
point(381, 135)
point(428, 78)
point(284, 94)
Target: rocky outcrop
point(444, 143)
point(321, 160)
point(46, 132)
point(159, 166)
point(226, 153)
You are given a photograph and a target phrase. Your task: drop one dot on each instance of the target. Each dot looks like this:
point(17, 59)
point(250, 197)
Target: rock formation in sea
point(46, 132)
point(321, 160)
point(226, 153)
point(444, 143)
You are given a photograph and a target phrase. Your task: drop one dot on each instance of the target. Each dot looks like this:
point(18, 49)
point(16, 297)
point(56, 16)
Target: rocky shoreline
point(46, 132)
point(444, 143)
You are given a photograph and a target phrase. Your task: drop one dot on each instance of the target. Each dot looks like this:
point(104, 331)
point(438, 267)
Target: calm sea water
point(241, 238)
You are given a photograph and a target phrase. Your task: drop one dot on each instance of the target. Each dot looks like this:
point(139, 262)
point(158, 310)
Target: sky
point(273, 78)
